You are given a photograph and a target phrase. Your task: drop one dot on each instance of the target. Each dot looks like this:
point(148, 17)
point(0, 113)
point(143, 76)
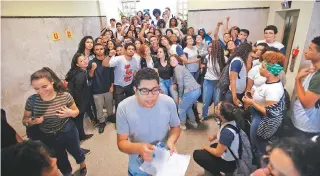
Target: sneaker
point(183, 126)
point(193, 124)
point(101, 127)
point(86, 151)
point(83, 171)
point(204, 119)
point(87, 136)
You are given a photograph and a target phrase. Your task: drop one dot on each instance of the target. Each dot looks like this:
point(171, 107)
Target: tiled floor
point(106, 160)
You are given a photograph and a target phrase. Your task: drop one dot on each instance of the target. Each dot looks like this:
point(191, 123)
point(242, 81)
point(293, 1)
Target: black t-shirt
point(8, 135)
point(103, 77)
point(164, 72)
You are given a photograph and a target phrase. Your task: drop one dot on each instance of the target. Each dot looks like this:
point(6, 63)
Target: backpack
point(244, 162)
point(224, 80)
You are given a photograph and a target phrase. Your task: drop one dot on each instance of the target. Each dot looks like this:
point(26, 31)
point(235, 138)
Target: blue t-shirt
point(237, 42)
point(236, 66)
point(177, 49)
point(226, 137)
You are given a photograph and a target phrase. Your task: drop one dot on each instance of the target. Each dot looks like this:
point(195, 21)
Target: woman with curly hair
point(85, 47)
point(267, 103)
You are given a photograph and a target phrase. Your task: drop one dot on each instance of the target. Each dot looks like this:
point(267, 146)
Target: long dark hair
point(166, 54)
point(242, 51)
point(82, 44)
point(174, 20)
point(46, 72)
point(217, 57)
point(166, 37)
point(161, 21)
point(74, 66)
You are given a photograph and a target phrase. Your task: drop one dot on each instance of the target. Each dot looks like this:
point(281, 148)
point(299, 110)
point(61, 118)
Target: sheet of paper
point(165, 165)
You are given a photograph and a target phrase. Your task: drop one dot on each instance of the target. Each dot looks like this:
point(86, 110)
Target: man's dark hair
point(245, 31)
point(271, 48)
point(302, 151)
point(25, 158)
point(112, 19)
point(129, 44)
point(96, 40)
point(156, 11)
point(271, 27)
point(97, 44)
point(118, 24)
point(128, 38)
point(153, 36)
point(265, 45)
point(316, 41)
point(145, 74)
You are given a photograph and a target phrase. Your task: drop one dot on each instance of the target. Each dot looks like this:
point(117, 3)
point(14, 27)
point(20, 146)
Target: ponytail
point(46, 72)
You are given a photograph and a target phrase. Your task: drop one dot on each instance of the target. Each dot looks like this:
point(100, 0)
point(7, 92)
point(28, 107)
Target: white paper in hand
point(165, 165)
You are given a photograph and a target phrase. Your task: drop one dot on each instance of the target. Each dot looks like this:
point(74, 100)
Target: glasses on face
point(145, 91)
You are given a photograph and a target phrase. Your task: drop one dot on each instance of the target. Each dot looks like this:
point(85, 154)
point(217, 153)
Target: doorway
point(290, 25)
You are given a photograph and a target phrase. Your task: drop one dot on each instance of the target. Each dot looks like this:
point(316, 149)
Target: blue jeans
point(185, 107)
point(208, 96)
point(166, 87)
point(255, 121)
point(258, 144)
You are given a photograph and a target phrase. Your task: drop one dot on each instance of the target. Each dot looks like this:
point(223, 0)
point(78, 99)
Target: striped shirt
point(48, 109)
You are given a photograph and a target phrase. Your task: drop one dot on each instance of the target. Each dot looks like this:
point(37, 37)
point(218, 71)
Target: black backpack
point(224, 81)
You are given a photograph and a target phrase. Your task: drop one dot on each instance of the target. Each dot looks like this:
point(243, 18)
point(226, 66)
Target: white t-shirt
point(254, 74)
point(192, 54)
point(137, 57)
point(124, 70)
point(268, 92)
point(113, 29)
point(275, 44)
point(150, 64)
point(210, 74)
point(118, 36)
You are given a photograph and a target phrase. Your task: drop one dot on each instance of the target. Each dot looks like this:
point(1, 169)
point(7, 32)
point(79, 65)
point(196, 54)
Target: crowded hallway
point(219, 98)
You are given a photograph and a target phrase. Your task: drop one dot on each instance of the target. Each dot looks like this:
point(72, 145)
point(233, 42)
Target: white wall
point(50, 8)
point(224, 4)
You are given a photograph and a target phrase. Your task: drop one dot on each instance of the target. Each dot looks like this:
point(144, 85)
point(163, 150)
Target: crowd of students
point(154, 72)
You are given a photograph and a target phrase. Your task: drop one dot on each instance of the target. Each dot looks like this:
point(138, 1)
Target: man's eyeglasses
point(145, 91)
